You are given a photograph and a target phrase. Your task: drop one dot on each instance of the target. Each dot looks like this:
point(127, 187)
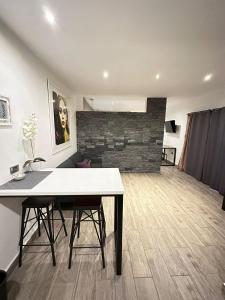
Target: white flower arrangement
point(30, 130)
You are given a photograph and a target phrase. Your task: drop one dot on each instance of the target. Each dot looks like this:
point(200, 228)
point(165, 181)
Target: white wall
point(23, 78)
point(178, 108)
point(115, 103)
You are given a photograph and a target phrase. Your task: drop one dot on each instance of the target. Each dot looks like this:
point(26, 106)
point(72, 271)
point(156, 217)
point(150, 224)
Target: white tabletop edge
point(74, 181)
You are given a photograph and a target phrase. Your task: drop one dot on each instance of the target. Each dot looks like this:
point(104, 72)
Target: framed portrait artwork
point(59, 118)
point(5, 115)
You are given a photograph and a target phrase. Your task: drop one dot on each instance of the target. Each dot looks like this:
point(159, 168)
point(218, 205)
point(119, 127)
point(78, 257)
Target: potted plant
point(29, 133)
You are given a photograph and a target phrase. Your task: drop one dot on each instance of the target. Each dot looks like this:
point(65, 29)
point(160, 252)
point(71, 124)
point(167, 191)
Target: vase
point(36, 166)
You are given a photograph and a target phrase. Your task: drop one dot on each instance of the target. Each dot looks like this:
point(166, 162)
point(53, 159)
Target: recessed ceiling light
point(207, 77)
point(49, 16)
point(157, 76)
point(105, 74)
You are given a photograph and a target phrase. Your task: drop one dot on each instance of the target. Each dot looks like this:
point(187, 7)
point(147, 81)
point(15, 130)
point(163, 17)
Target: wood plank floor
point(173, 248)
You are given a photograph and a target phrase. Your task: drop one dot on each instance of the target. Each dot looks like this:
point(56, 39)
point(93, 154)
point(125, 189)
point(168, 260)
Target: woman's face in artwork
point(62, 113)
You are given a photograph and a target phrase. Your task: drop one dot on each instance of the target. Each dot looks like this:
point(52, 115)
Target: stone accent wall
point(129, 141)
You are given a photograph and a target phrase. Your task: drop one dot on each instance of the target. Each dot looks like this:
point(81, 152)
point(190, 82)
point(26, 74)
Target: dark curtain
point(183, 157)
point(214, 163)
point(197, 143)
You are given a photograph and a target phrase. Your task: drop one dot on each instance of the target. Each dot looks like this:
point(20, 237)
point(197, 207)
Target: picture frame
point(59, 115)
point(5, 113)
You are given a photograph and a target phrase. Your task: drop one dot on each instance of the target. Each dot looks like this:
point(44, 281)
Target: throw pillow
point(86, 163)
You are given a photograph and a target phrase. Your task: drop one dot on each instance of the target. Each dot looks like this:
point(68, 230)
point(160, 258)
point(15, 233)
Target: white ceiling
point(131, 39)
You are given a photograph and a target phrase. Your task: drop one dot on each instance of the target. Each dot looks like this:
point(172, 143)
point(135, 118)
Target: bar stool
point(38, 204)
point(84, 210)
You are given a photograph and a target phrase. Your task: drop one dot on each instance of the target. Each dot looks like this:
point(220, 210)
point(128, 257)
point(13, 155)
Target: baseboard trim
point(13, 265)
point(15, 261)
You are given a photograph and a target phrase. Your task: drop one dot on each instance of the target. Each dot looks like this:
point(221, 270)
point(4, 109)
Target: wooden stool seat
point(38, 202)
point(87, 202)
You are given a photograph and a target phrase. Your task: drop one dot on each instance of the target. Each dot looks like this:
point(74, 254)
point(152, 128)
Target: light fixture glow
point(105, 74)
point(157, 76)
point(208, 77)
point(49, 16)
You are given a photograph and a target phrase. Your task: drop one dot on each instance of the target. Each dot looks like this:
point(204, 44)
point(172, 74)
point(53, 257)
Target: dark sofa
point(78, 157)
point(71, 163)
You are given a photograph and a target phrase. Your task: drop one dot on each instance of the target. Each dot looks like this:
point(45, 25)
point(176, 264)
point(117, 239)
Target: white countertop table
point(82, 181)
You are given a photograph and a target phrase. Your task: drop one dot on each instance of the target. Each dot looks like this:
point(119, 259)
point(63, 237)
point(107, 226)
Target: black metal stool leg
point(38, 221)
point(51, 236)
point(72, 236)
point(94, 222)
point(103, 223)
point(21, 235)
point(58, 204)
point(43, 212)
point(78, 225)
point(52, 226)
point(39, 227)
point(101, 239)
point(99, 225)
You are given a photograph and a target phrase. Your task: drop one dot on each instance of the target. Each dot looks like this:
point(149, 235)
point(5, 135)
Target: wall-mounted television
point(170, 126)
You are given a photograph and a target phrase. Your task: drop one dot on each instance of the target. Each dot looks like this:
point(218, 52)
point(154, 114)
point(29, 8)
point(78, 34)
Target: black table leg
point(223, 205)
point(119, 233)
point(174, 157)
point(115, 214)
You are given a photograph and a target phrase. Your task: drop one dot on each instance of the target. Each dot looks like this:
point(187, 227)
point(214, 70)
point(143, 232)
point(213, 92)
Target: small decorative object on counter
point(19, 176)
point(31, 164)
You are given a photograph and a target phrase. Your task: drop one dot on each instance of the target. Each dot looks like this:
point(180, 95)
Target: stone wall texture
point(129, 141)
